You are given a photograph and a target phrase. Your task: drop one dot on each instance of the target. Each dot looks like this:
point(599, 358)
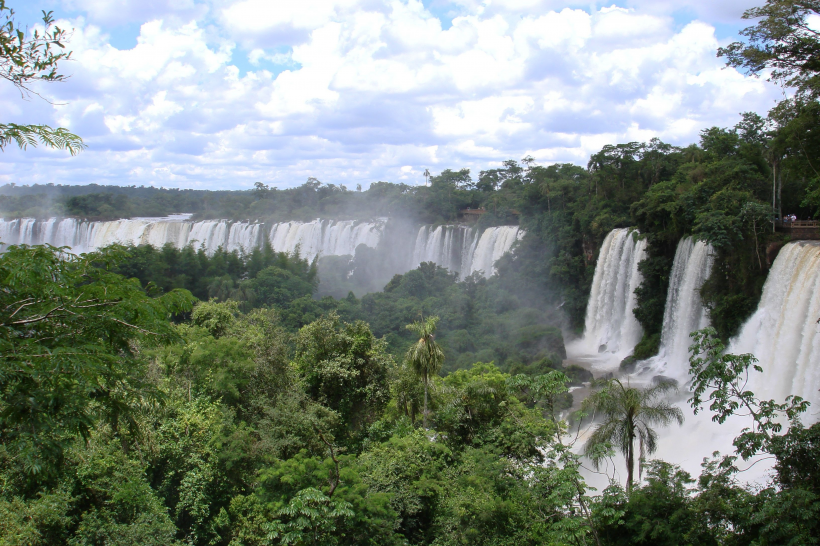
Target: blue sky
point(223, 93)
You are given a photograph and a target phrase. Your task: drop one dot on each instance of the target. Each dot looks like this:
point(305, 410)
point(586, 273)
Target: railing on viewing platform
point(800, 229)
point(472, 215)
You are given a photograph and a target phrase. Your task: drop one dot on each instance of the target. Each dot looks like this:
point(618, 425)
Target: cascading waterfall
point(610, 325)
point(493, 243)
point(684, 312)
point(458, 248)
point(442, 245)
point(318, 237)
point(325, 237)
point(462, 249)
point(784, 333)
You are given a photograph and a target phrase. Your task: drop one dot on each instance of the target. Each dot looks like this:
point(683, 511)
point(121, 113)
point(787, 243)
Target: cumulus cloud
point(221, 94)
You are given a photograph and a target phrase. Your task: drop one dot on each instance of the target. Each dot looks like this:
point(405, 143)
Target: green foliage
point(32, 135)
point(647, 346)
point(661, 512)
point(479, 409)
point(310, 518)
point(106, 501)
point(345, 368)
point(782, 40)
point(69, 328)
point(259, 278)
point(720, 379)
point(425, 356)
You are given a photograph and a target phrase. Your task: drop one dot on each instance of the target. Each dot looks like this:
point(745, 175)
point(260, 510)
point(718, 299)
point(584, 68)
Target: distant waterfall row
point(610, 324)
point(319, 236)
point(459, 248)
point(463, 249)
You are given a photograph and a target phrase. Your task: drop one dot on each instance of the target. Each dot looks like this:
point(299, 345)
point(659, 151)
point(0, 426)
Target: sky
point(219, 94)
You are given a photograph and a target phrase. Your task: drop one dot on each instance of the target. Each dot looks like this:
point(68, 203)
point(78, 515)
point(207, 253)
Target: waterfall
point(783, 333)
point(610, 325)
point(325, 237)
point(493, 243)
point(443, 245)
point(318, 237)
point(684, 312)
point(462, 249)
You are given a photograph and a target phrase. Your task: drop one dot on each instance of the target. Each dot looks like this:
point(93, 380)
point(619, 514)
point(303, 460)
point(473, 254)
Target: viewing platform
point(472, 215)
point(800, 229)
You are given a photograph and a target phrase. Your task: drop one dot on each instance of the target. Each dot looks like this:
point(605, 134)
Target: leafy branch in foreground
point(33, 57)
point(783, 41)
point(721, 379)
point(30, 135)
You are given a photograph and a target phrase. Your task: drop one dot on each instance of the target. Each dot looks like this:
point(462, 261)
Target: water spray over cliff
point(684, 312)
point(463, 249)
point(784, 333)
point(458, 248)
point(610, 324)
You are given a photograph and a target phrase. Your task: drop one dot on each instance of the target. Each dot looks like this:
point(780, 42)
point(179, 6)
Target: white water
point(462, 249)
point(326, 237)
point(446, 246)
point(684, 312)
point(610, 325)
point(783, 333)
point(494, 243)
point(458, 248)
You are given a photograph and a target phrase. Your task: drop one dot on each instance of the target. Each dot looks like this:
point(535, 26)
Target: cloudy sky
point(219, 94)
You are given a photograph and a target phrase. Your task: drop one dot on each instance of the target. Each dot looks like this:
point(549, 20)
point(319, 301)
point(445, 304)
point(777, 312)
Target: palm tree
point(426, 176)
point(628, 413)
point(425, 356)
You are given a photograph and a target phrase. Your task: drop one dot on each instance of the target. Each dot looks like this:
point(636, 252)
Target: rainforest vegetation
point(167, 396)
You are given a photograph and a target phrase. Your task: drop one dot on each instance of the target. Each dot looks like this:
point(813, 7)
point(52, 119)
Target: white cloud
point(371, 89)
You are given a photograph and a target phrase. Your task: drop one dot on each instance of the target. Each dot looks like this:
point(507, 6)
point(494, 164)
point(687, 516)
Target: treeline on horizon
point(719, 190)
point(782, 142)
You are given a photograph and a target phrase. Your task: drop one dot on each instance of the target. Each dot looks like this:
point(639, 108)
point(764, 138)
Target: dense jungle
point(171, 396)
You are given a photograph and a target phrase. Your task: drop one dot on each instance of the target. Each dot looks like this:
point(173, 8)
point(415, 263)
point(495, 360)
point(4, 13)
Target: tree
point(425, 356)
point(69, 334)
point(720, 379)
point(628, 414)
point(345, 368)
point(788, 511)
point(25, 59)
point(311, 518)
point(783, 41)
